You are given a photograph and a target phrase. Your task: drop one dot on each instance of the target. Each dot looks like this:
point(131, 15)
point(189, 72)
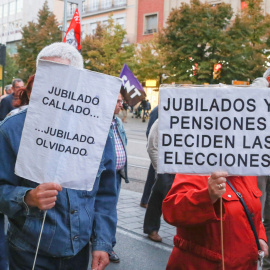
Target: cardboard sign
point(202, 130)
point(67, 125)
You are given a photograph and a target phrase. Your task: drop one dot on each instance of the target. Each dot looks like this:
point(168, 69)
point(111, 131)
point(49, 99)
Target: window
point(5, 29)
point(151, 23)
point(18, 26)
point(94, 4)
point(11, 28)
point(71, 9)
point(121, 22)
point(19, 7)
point(120, 2)
point(12, 8)
point(83, 31)
point(84, 6)
point(68, 8)
point(93, 27)
point(12, 48)
point(214, 3)
point(106, 4)
point(5, 10)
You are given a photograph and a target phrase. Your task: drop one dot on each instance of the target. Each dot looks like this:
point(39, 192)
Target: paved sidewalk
point(131, 217)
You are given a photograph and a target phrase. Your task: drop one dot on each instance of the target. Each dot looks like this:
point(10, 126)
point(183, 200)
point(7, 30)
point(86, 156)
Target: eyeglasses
point(120, 101)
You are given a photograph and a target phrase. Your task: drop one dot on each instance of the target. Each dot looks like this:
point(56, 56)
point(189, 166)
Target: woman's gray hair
point(64, 51)
point(260, 82)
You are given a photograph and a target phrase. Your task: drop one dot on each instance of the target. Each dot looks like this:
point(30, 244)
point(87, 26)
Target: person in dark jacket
point(162, 185)
point(6, 104)
point(144, 106)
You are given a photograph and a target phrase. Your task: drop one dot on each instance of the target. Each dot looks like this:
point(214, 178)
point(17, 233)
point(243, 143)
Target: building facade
point(153, 15)
point(16, 13)
point(237, 5)
point(150, 18)
point(140, 18)
point(124, 12)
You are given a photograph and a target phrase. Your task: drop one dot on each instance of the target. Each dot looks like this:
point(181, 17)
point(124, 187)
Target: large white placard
point(67, 125)
point(204, 129)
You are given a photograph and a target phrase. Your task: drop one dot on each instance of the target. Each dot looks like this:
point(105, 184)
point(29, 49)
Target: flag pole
point(64, 20)
point(221, 231)
point(41, 230)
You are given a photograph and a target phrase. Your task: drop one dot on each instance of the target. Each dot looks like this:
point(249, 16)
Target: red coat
point(198, 240)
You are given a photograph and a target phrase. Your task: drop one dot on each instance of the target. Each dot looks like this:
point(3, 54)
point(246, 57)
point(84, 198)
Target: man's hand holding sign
point(43, 196)
point(222, 133)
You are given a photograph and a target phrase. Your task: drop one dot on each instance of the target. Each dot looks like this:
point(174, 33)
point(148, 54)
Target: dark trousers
point(118, 176)
point(23, 260)
point(150, 180)
point(3, 244)
point(154, 210)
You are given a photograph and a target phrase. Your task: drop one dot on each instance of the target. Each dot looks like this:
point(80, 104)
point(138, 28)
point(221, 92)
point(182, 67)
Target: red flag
point(73, 34)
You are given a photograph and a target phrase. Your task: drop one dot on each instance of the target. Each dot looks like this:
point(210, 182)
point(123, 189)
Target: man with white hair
point(74, 217)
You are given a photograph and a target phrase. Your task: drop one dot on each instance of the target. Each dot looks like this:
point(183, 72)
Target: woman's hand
point(264, 247)
point(217, 185)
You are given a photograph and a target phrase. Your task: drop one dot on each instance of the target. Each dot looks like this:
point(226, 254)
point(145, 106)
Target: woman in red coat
point(193, 206)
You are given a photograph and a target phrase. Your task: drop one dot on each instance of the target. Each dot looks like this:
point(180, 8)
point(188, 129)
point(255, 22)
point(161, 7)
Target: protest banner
point(204, 129)
point(131, 90)
point(67, 125)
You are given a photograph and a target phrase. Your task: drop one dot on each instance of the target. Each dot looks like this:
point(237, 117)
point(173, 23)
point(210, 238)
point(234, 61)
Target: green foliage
point(202, 34)
point(104, 52)
point(11, 69)
point(246, 47)
point(150, 62)
point(35, 37)
point(193, 36)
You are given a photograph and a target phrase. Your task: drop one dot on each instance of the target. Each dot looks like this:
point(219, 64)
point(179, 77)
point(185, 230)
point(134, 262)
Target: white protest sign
point(66, 126)
point(205, 129)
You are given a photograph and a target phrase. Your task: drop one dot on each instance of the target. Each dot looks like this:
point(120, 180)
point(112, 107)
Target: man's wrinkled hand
point(100, 260)
point(43, 196)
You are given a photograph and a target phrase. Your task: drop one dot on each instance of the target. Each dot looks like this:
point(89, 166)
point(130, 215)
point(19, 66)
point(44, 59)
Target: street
point(138, 159)
point(135, 250)
point(135, 253)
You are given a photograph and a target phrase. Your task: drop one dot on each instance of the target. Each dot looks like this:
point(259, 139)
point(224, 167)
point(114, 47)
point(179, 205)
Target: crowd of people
point(76, 218)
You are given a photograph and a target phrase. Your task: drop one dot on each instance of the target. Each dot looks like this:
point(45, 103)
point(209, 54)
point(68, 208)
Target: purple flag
point(131, 89)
